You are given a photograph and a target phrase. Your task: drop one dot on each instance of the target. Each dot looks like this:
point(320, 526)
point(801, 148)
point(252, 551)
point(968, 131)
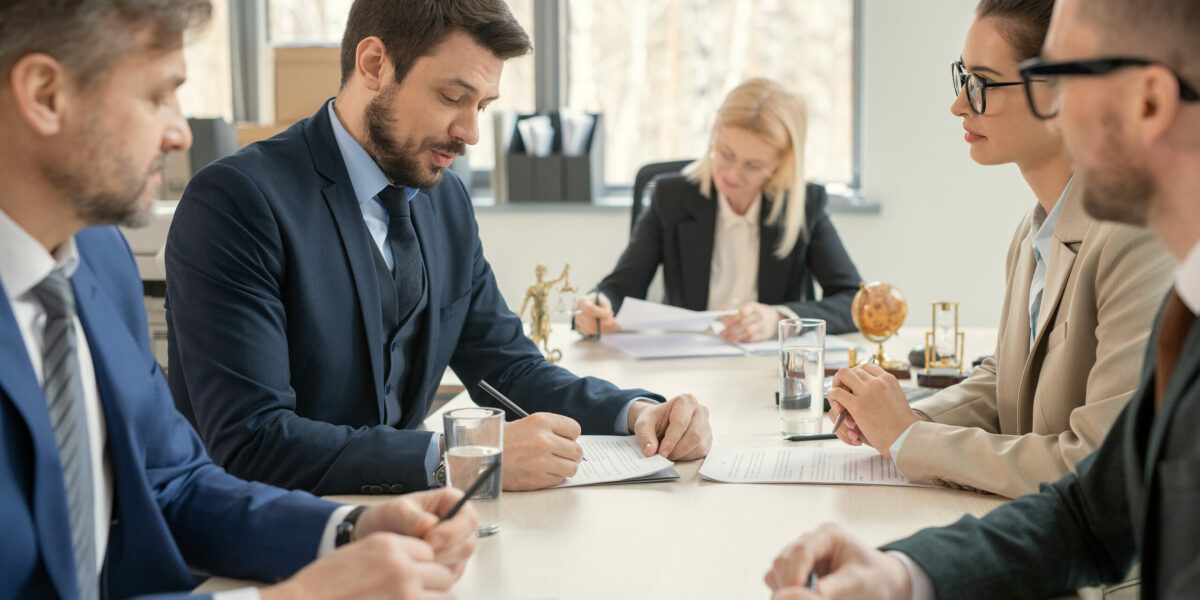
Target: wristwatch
point(439, 474)
point(345, 529)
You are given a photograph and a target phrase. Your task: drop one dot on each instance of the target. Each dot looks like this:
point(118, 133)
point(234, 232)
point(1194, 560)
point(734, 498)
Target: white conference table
point(689, 538)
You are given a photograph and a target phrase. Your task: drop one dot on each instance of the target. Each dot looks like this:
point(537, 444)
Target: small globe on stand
point(878, 311)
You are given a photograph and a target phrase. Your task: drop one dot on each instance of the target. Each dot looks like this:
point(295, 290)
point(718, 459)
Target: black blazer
point(1134, 497)
point(677, 232)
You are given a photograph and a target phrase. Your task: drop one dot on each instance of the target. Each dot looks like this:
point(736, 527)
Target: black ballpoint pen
point(502, 399)
point(487, 473)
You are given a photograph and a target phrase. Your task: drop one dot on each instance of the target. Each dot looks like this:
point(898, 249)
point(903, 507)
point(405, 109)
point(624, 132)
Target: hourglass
point(943, 349)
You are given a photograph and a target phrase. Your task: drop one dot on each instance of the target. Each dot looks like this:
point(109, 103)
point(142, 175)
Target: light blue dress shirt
point(368, 180)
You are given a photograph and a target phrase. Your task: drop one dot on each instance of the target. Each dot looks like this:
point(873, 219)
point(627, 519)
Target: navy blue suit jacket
point(276, 346)
point(172, 507)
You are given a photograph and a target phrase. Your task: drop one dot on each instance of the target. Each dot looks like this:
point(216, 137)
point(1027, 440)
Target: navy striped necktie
point(408, 267)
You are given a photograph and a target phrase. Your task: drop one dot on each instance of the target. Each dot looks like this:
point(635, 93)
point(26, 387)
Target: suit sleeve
point(1132, 274)
point(832, 268)
point(229, 325)
point(493, 346)
point(221, 524)
point(641, 258)
point(1077, 532)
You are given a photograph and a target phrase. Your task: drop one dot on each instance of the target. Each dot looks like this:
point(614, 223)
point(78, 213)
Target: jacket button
point(387, 389)
point(376, 489)
point(366, 489)
point(397, 488)
point(394, 345)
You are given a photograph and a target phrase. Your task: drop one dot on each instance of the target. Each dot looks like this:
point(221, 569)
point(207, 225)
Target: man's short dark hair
point(89, 36)
point(411, 29)
point(1024, 23)
point(1161, 30)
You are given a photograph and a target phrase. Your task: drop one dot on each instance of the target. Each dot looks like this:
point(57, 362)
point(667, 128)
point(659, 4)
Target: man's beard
point(400, 161)
point(1118, 188)
point(102, 183)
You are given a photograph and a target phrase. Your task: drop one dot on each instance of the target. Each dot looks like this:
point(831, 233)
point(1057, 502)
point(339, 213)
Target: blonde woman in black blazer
point(730, 232)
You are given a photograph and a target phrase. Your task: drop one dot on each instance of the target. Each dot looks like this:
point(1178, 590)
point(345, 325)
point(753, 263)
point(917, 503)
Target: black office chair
point(643, 185)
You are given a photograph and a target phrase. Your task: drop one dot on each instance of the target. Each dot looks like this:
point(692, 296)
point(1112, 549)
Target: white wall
point(945, 222)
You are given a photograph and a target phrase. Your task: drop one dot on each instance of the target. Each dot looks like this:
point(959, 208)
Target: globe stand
point(897, 368)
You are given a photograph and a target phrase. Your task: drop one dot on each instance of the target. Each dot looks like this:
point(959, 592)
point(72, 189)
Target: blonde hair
point(779, 118)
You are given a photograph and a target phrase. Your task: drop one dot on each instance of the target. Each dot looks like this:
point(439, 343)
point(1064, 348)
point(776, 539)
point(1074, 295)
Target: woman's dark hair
point(1024, 23)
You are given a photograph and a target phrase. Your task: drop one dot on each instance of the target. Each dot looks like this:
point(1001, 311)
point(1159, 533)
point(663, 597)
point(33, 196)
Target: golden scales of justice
point(539, 316)
point(944, 347)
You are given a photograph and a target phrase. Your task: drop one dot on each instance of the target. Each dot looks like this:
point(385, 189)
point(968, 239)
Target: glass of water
point(474, 441)
point(801, 375)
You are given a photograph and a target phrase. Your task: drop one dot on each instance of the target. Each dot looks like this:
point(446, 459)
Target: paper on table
point(613, 458)
point(638, 314)
point(640, 346)
point(801, 465)
point(833, 345)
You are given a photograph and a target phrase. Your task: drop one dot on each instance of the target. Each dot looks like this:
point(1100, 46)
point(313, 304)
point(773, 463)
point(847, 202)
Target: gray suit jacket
point(1135, 496)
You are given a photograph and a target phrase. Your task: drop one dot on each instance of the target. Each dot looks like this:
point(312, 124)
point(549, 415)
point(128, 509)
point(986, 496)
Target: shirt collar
point(1044, 223)
point(728, 218)
point(24, 262)
point(365, 175)
point(1187, 280)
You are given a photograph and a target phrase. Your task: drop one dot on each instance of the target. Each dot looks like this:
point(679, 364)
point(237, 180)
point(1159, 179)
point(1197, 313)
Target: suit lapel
point(1015, 340)
point(20, 384)
point(772, 271)
point(352, 232)
point(696, 249)
point(1183, 378)
point(1073, 223)
point(424, 222)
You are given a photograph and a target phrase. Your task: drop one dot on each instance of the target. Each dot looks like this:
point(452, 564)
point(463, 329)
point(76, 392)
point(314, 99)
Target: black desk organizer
point(556, 178)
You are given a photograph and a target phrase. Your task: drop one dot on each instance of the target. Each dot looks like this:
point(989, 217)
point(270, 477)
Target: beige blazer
point(1028, 416)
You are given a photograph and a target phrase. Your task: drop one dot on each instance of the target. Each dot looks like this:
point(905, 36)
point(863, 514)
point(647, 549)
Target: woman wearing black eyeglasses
point(1080, 302)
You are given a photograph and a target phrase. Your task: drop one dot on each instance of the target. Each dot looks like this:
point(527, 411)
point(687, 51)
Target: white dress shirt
point(24, 263)
point(1187, 280)
point(733, 280)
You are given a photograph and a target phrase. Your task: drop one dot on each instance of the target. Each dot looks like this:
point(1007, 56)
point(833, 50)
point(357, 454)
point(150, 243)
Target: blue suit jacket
point(172, 507)
point(276, 346)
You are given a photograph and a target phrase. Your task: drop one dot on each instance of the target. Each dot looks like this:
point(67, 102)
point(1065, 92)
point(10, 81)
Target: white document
point(613, 458)
point(642, 346)
point(833, 345)
point(640, 315)
point(847, 465)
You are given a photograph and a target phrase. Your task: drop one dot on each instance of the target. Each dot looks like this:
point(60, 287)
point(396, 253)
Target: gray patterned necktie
point(63, 387)
point(408, 266)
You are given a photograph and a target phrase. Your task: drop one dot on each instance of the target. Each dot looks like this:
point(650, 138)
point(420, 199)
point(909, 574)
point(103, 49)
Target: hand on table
point(753, 322)
point(540, 451)
point(846, 568)
point(879, 412)
point(400, 551)
point(590, 311)
point(677, 429)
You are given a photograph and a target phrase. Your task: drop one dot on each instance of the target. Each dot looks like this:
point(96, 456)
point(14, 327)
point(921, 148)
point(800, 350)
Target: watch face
point(439, 476)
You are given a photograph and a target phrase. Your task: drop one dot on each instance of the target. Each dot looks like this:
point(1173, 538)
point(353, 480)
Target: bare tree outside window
point(658, 70)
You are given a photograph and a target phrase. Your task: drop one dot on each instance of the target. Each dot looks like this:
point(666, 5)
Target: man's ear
point(1159, 103)
point(371, 63)
point(39, 88)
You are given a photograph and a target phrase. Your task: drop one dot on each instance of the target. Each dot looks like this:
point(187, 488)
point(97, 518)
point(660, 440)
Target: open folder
point(618, 459)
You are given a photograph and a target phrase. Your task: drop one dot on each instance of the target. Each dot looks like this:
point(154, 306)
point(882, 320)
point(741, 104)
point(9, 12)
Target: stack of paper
point(618, 459)
point(650, 330)
point(849, 465)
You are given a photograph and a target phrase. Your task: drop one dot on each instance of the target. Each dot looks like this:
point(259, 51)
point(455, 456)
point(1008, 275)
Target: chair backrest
point(643, 185)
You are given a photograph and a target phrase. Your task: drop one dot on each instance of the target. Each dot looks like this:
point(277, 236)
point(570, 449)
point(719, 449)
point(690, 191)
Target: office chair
point(643, 185)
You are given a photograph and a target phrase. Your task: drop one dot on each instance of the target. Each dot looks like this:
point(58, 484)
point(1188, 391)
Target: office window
point(658, 70)
point(208, 90)
point(324, 21)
